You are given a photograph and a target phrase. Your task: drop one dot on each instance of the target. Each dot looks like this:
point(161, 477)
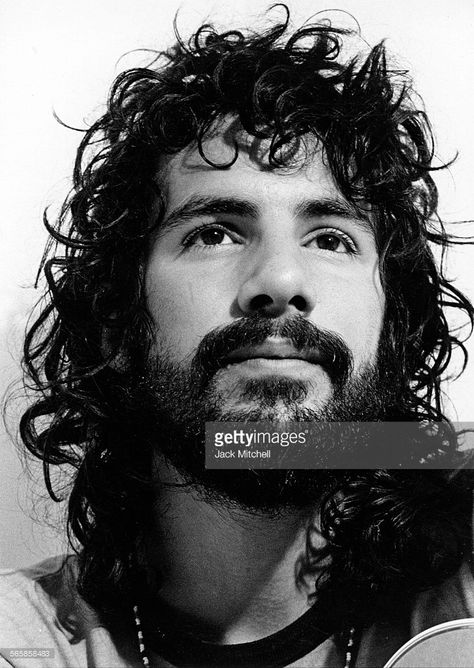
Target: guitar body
point(447, 645)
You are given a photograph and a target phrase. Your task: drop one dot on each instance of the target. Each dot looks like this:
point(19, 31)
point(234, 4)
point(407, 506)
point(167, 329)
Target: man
point(248, 238)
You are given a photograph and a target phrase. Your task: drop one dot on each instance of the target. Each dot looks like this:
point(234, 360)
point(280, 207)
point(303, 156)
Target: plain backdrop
point(62, 55)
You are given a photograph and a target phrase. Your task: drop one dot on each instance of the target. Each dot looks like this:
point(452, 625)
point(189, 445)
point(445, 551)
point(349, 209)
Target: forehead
point(188, 172)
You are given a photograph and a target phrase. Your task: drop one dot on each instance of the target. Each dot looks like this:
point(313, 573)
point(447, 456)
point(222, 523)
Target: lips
point(274, 349)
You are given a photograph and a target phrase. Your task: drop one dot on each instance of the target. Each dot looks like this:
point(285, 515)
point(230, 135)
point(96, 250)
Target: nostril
point(299, 303)
point(260, 302)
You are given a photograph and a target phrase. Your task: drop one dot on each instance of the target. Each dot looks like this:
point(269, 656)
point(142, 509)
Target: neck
point(231, 573)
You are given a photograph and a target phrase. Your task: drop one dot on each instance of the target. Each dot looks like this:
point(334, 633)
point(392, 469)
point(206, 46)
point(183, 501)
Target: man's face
point(255, 244)
point(265, 292)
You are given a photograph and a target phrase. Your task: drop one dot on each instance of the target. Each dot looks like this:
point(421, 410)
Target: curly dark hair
point(379, 147)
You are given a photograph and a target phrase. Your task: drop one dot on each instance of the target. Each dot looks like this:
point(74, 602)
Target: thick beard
point(174, 403)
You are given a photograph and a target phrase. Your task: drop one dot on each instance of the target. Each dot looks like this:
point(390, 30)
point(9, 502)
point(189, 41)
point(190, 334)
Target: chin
point(247, 412)
point(277, 413)
point(273, 398)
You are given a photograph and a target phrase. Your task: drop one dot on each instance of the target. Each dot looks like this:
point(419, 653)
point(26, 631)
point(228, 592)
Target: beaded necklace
point(146, 661)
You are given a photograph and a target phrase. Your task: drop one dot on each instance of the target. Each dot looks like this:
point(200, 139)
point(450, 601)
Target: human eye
point(332, 240)
point(209, 235)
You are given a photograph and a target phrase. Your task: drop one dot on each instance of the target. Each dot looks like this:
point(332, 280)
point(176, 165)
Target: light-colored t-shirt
point(44, 623)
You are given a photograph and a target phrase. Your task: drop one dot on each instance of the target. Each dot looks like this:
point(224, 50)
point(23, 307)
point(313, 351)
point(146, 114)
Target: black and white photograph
point(236, 334)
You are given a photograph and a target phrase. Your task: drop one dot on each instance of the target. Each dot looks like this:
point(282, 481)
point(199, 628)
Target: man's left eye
point(334, 241)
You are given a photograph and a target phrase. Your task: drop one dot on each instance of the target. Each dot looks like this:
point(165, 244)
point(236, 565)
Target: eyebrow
point(197, 206)
point(328, 206)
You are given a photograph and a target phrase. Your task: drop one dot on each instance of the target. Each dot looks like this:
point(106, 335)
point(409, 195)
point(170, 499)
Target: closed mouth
point(274, 349)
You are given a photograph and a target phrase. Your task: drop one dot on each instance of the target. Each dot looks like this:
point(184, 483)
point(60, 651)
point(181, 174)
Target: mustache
point(216, 346)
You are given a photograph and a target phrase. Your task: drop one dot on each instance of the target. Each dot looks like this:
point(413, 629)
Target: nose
point(276, 285)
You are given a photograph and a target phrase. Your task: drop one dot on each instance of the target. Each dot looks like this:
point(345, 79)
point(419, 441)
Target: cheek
point(183, 311)
point(355, 311)
point(367, 325)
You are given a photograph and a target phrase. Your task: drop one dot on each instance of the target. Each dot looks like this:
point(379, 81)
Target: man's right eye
point(209, 235)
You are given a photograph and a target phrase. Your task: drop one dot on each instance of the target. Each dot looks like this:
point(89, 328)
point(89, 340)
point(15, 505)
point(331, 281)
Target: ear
point(113, 351)
point(115, 345)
